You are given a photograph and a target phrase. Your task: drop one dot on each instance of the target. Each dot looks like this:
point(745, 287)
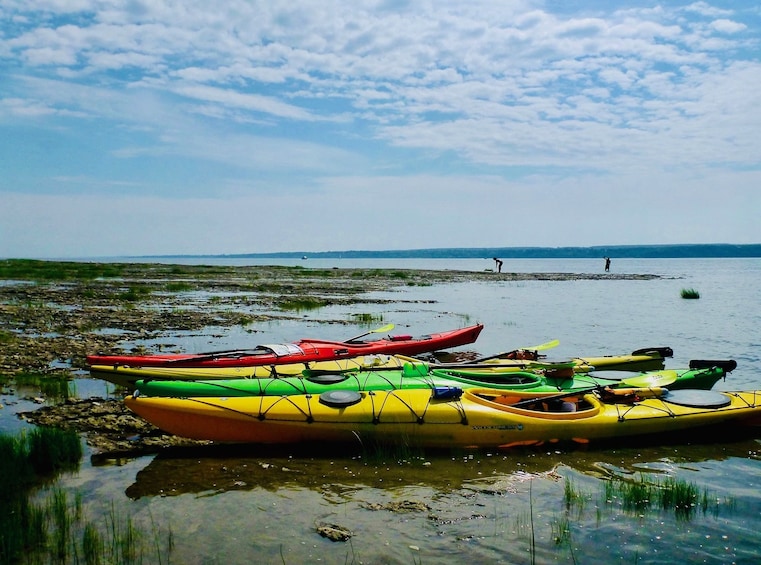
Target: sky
point(151, 127)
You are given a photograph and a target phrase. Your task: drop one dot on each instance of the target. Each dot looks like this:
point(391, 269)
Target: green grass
point(56, 387)
point(55, 529)
point(134, 293)
point(402, 452)
point(690, 293)
point(301, 304)
point(52, 450)
point(179, 286)
point(35, 270)
point(322, 273)
point(672, 494)
point(7, 337)
point(648, 494)
point(366, 318)
point(42, 451)
point(25, 461)
point(16, 470)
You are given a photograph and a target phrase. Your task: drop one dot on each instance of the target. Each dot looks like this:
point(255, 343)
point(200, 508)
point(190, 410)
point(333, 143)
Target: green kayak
point(701, 375)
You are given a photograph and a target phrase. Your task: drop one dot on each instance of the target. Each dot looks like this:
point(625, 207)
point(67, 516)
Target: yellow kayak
point(646, 359)
point(128, 376)
point(450, 417)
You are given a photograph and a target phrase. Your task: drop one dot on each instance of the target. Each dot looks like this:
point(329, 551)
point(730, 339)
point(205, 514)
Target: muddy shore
point(54, 314)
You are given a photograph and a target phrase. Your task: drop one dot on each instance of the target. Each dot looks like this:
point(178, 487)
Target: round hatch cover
point(698, 398)
point(340, 398)
point(327, 379)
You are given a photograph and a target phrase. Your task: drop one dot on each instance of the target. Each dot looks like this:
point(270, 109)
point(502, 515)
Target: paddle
point(658, 380)
point(626, 392)
point(460, 365)
point(384, 329)
point(540, 347)
point(546, 345)
point(529, 401)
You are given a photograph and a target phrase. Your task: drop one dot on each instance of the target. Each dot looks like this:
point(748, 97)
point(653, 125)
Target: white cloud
point(254, 91)
point(50, 56)
point(728, 26)
point(23, 107)
point(706, 9)
point(253, 102)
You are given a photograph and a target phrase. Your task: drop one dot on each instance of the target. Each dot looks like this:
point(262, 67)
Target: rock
point(334, 532)
point(108, 426)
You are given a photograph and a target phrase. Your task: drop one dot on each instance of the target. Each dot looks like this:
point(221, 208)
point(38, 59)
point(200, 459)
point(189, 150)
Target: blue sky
point(158, 127)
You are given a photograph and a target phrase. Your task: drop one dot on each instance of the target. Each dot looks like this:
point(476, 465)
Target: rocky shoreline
point(52, 319)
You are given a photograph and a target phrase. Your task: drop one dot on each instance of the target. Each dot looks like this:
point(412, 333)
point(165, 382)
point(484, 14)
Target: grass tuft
point(690, 293)
point(366, 318)
point(55, 531)
point(52, 450)
point(301, 304)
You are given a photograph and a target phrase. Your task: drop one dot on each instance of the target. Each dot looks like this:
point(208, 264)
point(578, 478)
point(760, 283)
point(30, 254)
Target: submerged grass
point(301, 304)
point(404, 451)
point(671, 494)
point(178, 286)
point(52, 450)
point(56, 387)
point(55, 530)
point(25, 461)
point(366, 318)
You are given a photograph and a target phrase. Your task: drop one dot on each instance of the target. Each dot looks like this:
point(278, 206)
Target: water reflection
point(218, 469)
point(221, 469)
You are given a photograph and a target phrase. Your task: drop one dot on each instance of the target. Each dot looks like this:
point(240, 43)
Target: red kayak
point(304, 351)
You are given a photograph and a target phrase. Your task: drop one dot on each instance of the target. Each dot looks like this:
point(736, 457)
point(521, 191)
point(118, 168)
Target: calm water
point(248, 505)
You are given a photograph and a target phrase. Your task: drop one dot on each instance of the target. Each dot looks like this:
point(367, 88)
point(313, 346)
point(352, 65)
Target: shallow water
point(244, 504)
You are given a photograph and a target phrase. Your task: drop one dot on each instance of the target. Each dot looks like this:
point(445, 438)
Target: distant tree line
point(696, 250)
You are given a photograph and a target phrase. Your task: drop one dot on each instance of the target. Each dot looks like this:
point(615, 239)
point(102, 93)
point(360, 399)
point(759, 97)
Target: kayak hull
point(127, 376)
point(476, 418)
point(304, 351)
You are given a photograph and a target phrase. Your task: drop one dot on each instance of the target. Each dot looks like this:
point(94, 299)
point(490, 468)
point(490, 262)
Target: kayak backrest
point(662, 351)
point(726, 364)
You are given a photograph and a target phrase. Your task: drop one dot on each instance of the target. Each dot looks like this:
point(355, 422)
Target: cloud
point(728, 26)
point(254, 102)
point(191, 100)
point(706, 9)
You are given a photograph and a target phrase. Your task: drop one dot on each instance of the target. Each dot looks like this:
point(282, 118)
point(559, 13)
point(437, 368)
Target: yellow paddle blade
point(384, 329)
point(650, 380)
point(540, 347)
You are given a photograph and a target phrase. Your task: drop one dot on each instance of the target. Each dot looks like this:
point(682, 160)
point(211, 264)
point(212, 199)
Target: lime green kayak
point(422, 376)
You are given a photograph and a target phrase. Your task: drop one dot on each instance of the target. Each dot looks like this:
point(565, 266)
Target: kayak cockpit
point(551, 407)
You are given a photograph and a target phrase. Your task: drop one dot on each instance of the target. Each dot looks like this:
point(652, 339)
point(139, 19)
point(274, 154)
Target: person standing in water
point(607, 264)
point(498, 264)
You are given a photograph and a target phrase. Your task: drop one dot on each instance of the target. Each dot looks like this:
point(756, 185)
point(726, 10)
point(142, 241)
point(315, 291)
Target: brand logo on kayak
point(518, 427)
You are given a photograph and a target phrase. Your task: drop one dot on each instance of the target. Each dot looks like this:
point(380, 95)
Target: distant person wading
point(498, 264)
point(607, 264)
